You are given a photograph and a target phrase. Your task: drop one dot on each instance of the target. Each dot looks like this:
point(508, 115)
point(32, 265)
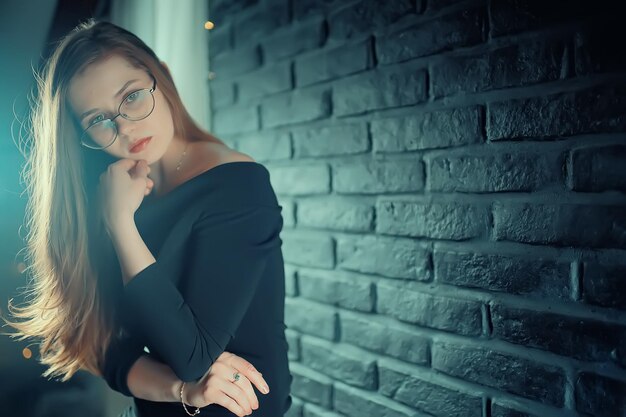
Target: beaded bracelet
point(184, 406)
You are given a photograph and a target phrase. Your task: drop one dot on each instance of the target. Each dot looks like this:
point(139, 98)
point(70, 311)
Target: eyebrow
point(121, 90)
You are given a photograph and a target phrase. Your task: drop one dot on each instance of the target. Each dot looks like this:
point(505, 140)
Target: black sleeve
point(121, 355)
point(227, 254)
point(124, 348)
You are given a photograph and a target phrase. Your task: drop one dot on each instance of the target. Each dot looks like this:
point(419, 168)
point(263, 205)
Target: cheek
point(163, 113)
point(117, 150)
point(162, 120)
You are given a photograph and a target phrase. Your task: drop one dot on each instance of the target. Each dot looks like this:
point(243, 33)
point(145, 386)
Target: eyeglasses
point(136, 106)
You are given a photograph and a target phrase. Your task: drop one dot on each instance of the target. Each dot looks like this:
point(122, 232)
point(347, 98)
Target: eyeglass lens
point(138, 105)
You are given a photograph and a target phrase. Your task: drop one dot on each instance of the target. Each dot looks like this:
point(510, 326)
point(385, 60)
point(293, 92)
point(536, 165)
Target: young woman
point(154, 249)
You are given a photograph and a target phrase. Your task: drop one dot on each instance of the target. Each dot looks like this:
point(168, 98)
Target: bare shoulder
point(224, 154)
point(235, 156)
point(207, 155)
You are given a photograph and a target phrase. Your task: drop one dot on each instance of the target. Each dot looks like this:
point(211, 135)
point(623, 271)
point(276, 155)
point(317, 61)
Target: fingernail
point(266, 389)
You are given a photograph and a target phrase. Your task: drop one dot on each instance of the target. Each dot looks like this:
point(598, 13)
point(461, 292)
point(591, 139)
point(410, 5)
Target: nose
point(125, 127)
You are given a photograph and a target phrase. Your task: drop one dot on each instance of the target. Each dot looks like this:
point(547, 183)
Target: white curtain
point(175, 31)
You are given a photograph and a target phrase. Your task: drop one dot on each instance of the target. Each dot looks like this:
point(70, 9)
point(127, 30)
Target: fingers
point(124, 163)
point(234, 391)
point(250, 372)
point(230, 404)
point(133, 166)
point(144, 167)
point(245, 384)
point(149, 186)
point(141, 168)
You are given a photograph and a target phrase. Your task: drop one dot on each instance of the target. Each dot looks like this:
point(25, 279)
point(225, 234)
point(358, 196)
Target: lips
point(139, 145)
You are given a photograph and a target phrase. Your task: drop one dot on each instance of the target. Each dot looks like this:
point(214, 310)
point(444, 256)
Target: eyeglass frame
point(119, 113)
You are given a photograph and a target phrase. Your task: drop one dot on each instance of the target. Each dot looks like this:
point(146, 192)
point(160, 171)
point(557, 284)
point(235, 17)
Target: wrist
point(120, 224)
point(175, 390)
point(183, 400)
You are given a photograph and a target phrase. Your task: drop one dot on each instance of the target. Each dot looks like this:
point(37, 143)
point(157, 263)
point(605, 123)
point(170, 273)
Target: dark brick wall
point(452, 181)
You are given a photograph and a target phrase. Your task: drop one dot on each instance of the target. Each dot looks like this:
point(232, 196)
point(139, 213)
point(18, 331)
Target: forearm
point(153, 381)
point(132, 252)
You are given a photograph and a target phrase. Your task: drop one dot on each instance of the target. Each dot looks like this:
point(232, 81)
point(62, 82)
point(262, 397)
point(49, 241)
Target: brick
point(561, 225)
point(592, 110)
point(511, 66)
point(296, 407)
point(598, 169)
point(291, 282)
point(385, 337)
point(437, 220)
point(340, 362)
point(521, 274)
point(498, 410)
point(293, 341)
point(513, 16)
point(237, 62)
point(600, 395)
point(436, 5)
point(333, 63)
point(266, 145)
point(265, 81)
point(224, 8)
point(308, 249)
point(302, 105)
point(261, 21)
point(294, 40)
point(604, 285)
point(311, 410)
point(331, 140)
point(235, 119)
point(427, 310)
point(305, 8)
point(379, 89)
point(459, 29)
point(337, 213)
point(577, 337)
point(220, 40)
point(310, 318)
point(353, 402)
point(290, 179)
point(595, 42)
point(338, 290)
point(311, 386)
point(375, 177)
point(288, 211)
point(222, 94)
point(493, 172)
point(409, 387)
point(501, 371)
point(370, 254)
point(365, 17)
point(437, 129)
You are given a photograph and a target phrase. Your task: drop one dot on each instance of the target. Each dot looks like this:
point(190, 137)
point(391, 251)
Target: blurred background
point(453, 186)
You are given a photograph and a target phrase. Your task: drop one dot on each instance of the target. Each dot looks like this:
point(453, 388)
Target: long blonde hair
point(71, 298)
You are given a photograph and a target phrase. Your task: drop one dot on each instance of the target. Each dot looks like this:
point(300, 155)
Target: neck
point(164, 172)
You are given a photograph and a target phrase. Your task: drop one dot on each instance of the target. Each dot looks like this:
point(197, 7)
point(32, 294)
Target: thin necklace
point(181, 157)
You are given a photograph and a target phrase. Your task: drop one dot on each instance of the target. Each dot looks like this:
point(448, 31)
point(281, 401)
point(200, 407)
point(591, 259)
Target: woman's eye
point(94, 120)
point(132, 96)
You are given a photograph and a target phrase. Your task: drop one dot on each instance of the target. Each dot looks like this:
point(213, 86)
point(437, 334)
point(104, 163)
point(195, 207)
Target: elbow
point(205, 350)
point(193, 370)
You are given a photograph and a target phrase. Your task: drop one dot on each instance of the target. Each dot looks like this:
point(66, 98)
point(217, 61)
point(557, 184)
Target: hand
point(217, 386)
point(122, 188)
